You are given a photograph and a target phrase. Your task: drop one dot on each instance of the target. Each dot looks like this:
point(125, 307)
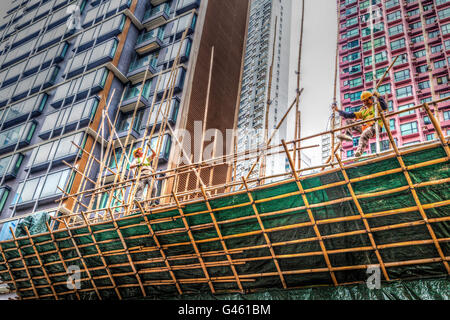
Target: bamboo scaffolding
point(354, 180)
point(37, 255)
point(24, 264)
point(310, 214)
point(61, 258)
point(102, 258)
point(363, 216)
point(266, 237)
point(413, 190)
point(302, 139)
point(83, 261)
point(194, 244)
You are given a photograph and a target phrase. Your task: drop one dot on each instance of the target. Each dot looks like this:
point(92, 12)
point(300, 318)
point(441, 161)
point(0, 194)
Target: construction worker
point(367, 130)
point(145, 165)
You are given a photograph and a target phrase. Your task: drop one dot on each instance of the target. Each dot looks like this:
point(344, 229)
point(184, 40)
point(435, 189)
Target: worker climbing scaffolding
point(145, 165)
point(368, 129)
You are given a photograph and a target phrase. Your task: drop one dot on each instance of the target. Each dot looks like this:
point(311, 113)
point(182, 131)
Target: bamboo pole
point(194, 244)
point(100, 255)
point(363, 217)
point(413, 191)
point(205, 118)
point(161, 251)
point(262, 171)
point(37, 255)
point(266, 237)
point(61, 258)
point(86, 269)
point(297, 133)
point(22, 259)
point(310, 214)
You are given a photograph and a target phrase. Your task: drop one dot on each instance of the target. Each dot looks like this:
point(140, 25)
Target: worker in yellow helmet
point(145, 166)
point(367, 130)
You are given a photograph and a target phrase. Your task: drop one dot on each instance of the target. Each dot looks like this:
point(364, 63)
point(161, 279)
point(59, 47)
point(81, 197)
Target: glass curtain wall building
point(62, 62)
point(417, 31)
point(255, 81)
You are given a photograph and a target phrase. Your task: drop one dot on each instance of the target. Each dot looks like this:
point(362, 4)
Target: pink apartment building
point(416, 30)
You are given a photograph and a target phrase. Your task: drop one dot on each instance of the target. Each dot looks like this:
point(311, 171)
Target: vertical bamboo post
point(413, 191)
point(310, 214)
point(161, 250)
point(193, 243)
point(363, 217)
point(58, 250)
point(266, 237)
point(10, 273)
point(86, 269)
point(297, 133)
point(36, 253)
point(19, 250)
point(262, 171)
point(205, 117)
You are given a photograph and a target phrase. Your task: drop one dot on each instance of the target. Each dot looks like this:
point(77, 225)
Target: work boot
point(345, 137)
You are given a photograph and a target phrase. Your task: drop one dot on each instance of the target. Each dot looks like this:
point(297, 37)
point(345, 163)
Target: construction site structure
point(416, 31)
point(210, 236)
point(93, 74)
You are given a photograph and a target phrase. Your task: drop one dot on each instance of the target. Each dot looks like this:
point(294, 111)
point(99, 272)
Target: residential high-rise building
point(255, 81)
point(63, 62)
point(416, 31)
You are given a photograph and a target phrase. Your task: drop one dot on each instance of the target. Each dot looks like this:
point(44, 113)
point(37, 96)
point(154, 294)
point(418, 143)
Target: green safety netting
point(293, 240)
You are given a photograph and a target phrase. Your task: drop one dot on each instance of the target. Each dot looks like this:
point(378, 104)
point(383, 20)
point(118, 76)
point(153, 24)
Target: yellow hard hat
point(366, 95)
point(138, 152)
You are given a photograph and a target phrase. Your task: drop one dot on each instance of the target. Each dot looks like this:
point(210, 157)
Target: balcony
point(186, 5)
point(165, 86)
point(142, 68)
point(156, 16)
point(168, 54)
point(131, 97)
point(150, 41)
point(9, 166)
point(157, 121)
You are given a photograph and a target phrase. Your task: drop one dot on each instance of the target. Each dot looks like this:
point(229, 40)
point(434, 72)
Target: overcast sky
point(317, 68)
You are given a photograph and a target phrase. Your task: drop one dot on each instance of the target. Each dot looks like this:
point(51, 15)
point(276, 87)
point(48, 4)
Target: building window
point(446, 115)
point(404, 92)
point(402, 75)
point(409, 128)
point(42, 187)
point(406, 106)
point(430, 137)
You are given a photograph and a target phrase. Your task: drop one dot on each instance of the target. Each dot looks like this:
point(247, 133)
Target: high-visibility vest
point(368, 113)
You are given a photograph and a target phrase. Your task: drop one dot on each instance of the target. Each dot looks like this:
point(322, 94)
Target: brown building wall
point(224, 27)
